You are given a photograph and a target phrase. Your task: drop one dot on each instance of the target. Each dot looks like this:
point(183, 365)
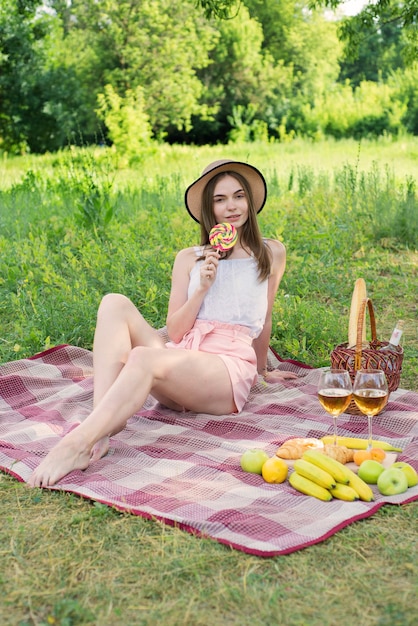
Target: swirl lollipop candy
point(223, 236)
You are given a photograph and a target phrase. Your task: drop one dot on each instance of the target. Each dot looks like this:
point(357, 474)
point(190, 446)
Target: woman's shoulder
point(276, 246)
point(186, 258)
point(278, 257)
point(191, 252)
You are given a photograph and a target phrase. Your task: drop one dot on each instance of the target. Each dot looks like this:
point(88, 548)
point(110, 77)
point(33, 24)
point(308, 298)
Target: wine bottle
point(395, 338)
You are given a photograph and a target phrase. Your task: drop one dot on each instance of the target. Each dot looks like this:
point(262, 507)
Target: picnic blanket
point(183, 468)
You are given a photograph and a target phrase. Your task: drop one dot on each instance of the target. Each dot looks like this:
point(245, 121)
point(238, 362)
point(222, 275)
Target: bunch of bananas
point(318, 475)
point(356, 443)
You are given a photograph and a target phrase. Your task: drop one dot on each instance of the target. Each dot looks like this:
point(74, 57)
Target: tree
point(126, 120)
point(158, 46)
point(41, 96)
point(378, 15)
point(379, 53)
point(278, 19)
point(229, 69)
point(354, 28)
point(20, 58)
point(270, 56)
point(240, 75)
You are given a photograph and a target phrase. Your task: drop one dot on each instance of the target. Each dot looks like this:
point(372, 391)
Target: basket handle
point(361, 317)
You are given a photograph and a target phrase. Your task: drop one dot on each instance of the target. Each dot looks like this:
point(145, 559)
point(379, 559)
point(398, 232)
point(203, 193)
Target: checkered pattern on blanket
point(183, 468)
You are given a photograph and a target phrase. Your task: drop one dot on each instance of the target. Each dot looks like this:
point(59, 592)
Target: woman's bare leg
point(164, 372)
point(119, 328)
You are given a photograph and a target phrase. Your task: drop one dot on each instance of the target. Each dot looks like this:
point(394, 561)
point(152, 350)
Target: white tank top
point(236, 297)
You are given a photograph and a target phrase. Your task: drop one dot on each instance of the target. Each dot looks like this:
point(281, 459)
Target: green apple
point(409, 472)
point(253, 460)
point(392, 481)
point(370, 470)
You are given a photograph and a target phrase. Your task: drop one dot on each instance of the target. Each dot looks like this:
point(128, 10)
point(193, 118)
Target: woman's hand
point(182, 310)
point(209, 268)
point(276, 376)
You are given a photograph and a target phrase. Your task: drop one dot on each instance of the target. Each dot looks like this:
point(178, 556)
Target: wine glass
point(370, 393)
point(334, 393)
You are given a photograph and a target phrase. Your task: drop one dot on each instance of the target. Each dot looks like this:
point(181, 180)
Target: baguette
point(359, 294)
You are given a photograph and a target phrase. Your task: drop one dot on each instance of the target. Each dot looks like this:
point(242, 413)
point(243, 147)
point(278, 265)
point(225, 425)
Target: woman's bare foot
point(99, 449)
point(69, 454)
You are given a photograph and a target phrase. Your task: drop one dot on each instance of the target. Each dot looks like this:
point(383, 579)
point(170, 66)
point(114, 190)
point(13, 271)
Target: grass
point(67, 561)
point(77, 224)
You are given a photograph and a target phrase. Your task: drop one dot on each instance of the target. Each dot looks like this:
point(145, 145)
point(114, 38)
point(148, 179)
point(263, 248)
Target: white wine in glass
point(334, 393)
point(370, 393)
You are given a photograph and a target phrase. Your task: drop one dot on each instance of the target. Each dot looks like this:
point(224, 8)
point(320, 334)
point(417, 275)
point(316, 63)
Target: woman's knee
point(113, 302)
point(142, 357)
point(149, 359)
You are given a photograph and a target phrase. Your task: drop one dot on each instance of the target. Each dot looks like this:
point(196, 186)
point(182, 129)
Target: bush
point(128, 125)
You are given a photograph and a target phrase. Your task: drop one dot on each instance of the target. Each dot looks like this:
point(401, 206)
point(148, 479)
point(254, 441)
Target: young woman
point(218, 322)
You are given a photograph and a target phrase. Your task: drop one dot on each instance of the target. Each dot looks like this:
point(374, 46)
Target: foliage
point(373, 17)
point(223, 9)
point(20, 62)
point(244, 125)
point(84, 182)
point(125, 38)
point(241, 74)
point(211, 72)
point(405, 86)
point(397, 218)
point(378, 52)
point(258, 81)
point(369, 110)
point(125, 118)
point(378, 17)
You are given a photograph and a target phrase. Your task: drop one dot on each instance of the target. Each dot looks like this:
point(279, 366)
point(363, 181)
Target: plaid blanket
point(183, 468)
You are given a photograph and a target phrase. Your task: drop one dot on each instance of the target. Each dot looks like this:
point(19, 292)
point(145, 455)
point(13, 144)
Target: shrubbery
point(134, 74)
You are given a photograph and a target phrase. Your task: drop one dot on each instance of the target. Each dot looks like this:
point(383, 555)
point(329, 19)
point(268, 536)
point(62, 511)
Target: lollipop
point(223, 236)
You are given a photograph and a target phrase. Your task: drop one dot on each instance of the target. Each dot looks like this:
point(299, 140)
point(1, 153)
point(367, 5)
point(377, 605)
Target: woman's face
point(230, 202)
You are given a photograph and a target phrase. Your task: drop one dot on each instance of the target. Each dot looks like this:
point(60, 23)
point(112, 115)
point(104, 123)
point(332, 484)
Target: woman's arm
point(182, 312)
point(262, 342)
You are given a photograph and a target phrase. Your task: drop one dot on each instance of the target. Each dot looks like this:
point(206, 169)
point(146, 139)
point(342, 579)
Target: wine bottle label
point(396, 337)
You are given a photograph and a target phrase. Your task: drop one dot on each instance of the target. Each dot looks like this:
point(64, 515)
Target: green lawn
point(76, 225)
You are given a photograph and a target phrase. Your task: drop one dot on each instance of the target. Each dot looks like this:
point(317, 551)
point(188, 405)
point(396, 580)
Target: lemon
point(274, 470)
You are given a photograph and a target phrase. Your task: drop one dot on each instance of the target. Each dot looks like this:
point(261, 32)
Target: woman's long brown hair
point(251, 239)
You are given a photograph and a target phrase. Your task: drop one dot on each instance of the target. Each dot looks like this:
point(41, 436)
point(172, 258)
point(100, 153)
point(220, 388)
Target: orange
point(274, 470)
point(361, 455)
point(378, 454)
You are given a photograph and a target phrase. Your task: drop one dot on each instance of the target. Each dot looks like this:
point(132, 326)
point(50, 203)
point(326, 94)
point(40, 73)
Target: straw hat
point(193, 195)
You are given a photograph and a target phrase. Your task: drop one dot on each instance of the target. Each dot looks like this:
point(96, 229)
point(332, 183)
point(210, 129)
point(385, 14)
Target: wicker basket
point(353, 359)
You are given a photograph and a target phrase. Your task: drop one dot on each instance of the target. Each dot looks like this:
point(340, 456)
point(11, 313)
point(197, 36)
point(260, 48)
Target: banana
point(337, 470)
point(364, 491)
point(344, 492)
point(308, 487)
point(314, 473)
point(354, 443)
point(359, 294)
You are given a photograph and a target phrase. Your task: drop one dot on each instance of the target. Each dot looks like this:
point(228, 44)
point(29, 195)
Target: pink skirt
point(233, 344)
